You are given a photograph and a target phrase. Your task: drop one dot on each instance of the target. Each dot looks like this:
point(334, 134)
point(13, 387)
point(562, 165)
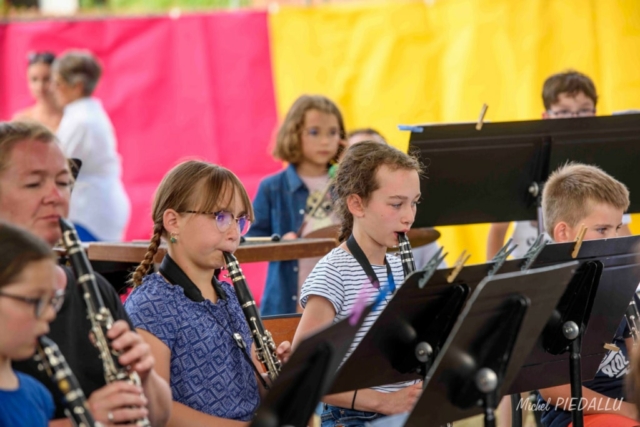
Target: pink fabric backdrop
point(199, 86)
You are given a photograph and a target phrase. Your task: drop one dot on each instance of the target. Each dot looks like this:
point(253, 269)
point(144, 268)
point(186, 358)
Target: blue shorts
point(334, 416)
point(397, 420)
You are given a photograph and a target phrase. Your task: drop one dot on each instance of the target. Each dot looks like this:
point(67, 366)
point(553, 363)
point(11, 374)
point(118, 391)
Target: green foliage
point(158, 5)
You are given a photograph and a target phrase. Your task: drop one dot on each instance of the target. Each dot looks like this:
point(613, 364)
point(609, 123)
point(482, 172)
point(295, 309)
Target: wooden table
point(247, 252)
point(282, 327)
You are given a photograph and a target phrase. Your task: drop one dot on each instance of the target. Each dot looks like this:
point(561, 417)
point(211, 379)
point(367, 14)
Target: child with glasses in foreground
point(194, 323)
point(28, 302)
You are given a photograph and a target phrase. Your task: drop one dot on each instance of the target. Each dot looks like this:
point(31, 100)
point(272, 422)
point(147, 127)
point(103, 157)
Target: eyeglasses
point(224, 218)
point(567, 113)
point(317, 134)
point(44, 57)
point(40, 304)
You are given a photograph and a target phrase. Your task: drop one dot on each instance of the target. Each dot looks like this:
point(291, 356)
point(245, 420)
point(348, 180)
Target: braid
point(346, 228)
point(145, 265)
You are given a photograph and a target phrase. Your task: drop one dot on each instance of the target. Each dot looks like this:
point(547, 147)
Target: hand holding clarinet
point(125, 357)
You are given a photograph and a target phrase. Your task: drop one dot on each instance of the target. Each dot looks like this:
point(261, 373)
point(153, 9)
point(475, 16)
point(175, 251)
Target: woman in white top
point(99, 204)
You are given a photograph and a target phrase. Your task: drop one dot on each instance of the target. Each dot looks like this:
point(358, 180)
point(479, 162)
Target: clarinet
point(98, 314)
point(632, 317)
point(406, 256)
point(51, 360)
point(265, 347)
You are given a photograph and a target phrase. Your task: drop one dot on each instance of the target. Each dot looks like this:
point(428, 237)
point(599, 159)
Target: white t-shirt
point(98, 200)
point(524, 235)
point(339, 278)
point(323, 217)
point(423, 254)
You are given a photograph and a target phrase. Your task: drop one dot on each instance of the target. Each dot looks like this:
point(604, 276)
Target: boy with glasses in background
point(565, 95)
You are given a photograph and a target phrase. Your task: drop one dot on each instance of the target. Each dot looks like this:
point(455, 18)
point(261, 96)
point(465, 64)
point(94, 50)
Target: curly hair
point(357, 175)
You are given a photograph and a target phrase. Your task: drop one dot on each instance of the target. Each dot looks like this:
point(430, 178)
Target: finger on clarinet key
point(119, 327)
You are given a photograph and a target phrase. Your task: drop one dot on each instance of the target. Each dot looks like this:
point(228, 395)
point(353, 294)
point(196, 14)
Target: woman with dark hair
point(100, 206)
point(46, 109)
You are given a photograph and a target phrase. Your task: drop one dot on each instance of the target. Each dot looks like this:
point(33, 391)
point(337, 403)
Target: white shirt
point(323, 217)
point(339, 278)
point(423, 254)
point(98, 200)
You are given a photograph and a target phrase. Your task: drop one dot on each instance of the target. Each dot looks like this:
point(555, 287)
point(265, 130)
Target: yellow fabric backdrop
point(390, 63)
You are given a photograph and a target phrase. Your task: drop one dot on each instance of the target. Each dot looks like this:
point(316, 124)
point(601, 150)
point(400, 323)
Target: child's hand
point(135, 352)
point(284, 351)
point(290, 236)
point(402, 400)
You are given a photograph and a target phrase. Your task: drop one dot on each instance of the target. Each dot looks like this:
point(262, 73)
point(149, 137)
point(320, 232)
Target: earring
point(173, 239)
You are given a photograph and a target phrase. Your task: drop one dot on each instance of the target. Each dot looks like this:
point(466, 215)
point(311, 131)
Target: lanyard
point(359, 255)
point(176, 276)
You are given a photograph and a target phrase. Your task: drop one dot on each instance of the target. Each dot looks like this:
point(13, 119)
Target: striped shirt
point(339, 278)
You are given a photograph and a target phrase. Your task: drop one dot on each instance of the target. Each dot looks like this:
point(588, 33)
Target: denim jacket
point(279, 208)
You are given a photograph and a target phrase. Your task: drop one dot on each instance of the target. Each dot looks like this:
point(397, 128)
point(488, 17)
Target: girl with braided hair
point(193, 322)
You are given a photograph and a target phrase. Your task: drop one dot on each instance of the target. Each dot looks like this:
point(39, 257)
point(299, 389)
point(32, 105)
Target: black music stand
point(488, 343)
point(595, 302)
point(616, 287)
point(307, 376)
point(496, 174)
point(406, 337)
point(541, 369)
point(408, 334)
point(565, 328)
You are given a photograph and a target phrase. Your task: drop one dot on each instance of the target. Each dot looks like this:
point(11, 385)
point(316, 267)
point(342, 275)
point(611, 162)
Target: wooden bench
point(282, 327)
point(134, 252)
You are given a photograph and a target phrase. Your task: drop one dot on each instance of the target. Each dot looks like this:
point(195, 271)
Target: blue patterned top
point(208, 371)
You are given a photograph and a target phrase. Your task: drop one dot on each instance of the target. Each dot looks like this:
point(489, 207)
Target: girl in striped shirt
point(377, 189)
